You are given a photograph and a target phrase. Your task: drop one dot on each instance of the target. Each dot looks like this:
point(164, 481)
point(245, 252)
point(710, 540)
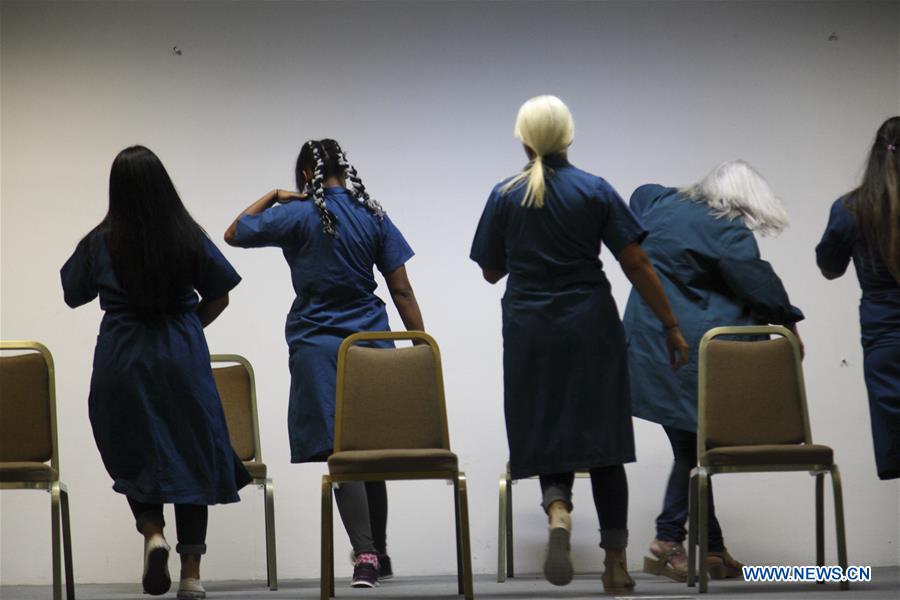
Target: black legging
point(363, 509)
point(610, 488)
point(190, 523)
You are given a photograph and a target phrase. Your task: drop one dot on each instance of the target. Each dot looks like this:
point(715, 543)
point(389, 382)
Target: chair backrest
point(28, 404)
point(390, 398)
point(751, 392)
point(237, 391)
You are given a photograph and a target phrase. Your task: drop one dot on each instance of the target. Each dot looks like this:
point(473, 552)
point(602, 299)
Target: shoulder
point(647, 194)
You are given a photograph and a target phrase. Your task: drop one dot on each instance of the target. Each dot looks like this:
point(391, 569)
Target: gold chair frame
point(264, 483)
point(457, 478)
point(59, 494)
point(505, 566)
point(699, 510)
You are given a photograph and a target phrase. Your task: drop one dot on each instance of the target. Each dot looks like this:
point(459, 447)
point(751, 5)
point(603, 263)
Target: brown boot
point(726, 566)
point(668, 559)
point(616, 579)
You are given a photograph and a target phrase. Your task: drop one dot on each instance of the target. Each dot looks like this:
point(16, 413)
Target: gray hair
point(734, 189)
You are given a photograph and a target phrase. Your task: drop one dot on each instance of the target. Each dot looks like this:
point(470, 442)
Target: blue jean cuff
point(613, 539)
point(555, 493)
point(198, 549)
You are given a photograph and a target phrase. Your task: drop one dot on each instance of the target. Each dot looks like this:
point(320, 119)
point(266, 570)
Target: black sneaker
point(365, 570)
point(384, 567)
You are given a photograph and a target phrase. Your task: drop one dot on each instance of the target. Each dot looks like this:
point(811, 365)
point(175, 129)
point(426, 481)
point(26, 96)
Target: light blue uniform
point(335, 287)
point(713, 276)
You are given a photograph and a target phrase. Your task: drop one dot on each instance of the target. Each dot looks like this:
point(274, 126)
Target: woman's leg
point(191, 522)
point(556, 490)
point(150, 523)
point(148, 518)
point(376, 495)
point(610, 488)
point(670, 522)
point(353, 505)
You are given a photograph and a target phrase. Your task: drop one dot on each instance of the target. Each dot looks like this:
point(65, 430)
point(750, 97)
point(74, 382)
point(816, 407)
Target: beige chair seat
point(813, 454)
point(357, 462)
point(27, 471)
point(257, 470)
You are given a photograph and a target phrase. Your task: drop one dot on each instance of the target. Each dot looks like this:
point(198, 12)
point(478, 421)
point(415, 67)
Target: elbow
point(492, 276)
point(829, 275)
point(229, 237)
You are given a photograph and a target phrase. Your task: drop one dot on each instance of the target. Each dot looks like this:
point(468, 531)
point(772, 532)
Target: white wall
point(423, 96)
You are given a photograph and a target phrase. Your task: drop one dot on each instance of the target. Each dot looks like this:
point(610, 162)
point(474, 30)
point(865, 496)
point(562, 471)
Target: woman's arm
point(637, 268)
point(830, 274)
point(209, 310)
point(260, 205)
point(405, 299)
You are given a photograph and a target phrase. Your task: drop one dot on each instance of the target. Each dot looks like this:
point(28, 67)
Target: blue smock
point(879, 317)
point(335, 288)
point(154, 408)
point(564, 369)
point(712, 273)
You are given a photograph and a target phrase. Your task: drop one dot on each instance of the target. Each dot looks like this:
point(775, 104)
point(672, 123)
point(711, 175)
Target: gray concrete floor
point(885, 585)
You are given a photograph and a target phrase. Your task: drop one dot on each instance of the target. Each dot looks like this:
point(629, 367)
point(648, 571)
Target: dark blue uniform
point(335, 288)
point(155, 412)
point(879, 316)
point(565, 373)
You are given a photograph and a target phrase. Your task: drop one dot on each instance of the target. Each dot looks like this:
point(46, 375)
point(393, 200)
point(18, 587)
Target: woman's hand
point(285, 196)
point(677, 347)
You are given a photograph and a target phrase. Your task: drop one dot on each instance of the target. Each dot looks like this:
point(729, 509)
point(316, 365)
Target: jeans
point(670, 522)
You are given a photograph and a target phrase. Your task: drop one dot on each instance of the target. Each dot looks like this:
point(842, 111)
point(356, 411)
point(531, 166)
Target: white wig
point(734, 189)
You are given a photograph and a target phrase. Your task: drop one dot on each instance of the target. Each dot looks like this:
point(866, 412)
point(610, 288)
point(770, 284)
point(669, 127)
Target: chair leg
point(820, 521)
point(703, 529)
point(839, 522)
point(271, 556)
point(509, 527)
point(459, 569)
point(692, 531)
point(462, 503)
point(67, 543)
point(54, 539)
point(501, 533)
point(326, 579)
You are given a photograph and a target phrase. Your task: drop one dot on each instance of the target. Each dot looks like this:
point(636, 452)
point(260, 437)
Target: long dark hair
point(876, 202)
point(325, 158)
point(155, 244)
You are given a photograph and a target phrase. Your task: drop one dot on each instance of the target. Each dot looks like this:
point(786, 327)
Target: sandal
point(668, 560)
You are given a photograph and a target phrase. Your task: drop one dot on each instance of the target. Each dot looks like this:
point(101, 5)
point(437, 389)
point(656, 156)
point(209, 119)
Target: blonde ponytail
point(545, 125)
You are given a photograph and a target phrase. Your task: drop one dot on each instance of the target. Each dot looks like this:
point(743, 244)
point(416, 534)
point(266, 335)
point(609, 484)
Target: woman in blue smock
point(332, 238)
point(154, 409)
point(864, 226)
point(564, 369)
point(702, 245)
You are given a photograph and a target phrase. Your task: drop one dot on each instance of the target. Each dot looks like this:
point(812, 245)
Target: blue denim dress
point(564, 368)
point(335, 285)
point(154, 408)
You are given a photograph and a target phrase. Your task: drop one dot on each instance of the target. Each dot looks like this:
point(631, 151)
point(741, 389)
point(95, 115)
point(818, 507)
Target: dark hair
point(876, 202)
point(325, 159)
point(155, 245)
